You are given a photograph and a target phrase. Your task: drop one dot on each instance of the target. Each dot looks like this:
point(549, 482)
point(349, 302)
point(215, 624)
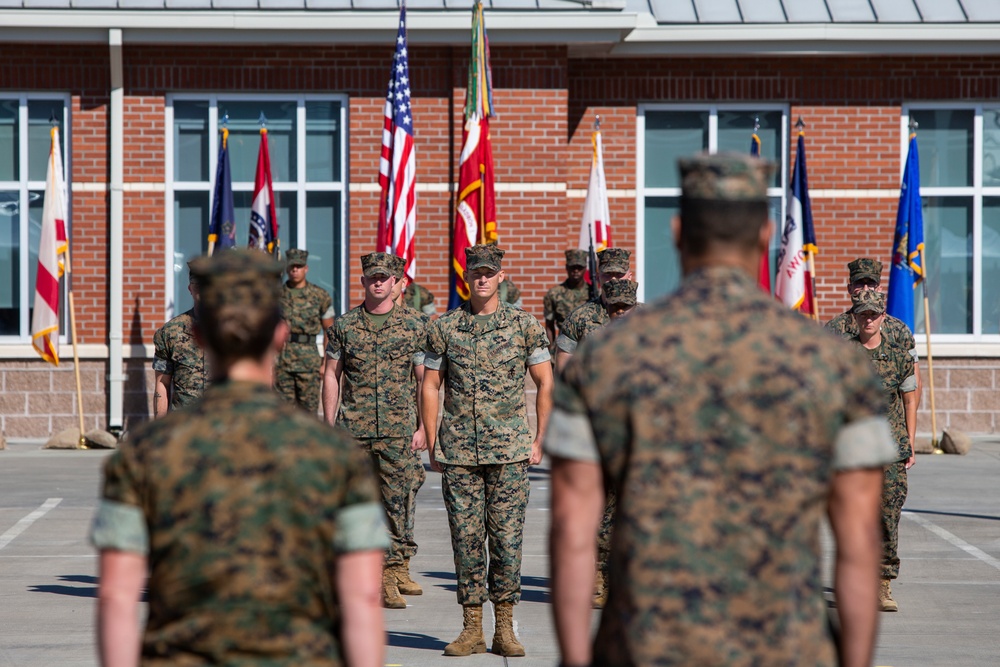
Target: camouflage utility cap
point(192, 278)
point(483, 256)
point(725, 177)
point(246, 278)
point(576, 258)
point(613, 260)
point(868, 301)
point(296, 257)
point(865, 267)
point(398, 266)
point(620, 291)
point(377, 263)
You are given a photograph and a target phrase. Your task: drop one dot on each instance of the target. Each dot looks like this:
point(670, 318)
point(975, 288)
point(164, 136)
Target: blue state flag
point(907, 270)
point(222, 227)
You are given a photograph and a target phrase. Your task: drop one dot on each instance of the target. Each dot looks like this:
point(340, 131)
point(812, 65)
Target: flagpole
point(482, 203)
point(82, 442)
point(930, 356)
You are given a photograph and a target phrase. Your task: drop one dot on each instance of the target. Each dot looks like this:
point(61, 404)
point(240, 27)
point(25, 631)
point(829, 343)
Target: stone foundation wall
point(37, 400)
point(966, 396)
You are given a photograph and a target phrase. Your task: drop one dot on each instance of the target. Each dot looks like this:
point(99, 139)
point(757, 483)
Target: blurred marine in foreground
point(260, 528)
point(728, 426)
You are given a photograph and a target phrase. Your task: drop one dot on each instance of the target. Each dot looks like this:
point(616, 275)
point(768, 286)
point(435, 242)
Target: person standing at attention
point(480, 353)
point(375, 363)
point(895, 366)
point(258, 526)
point(728, 426)
point(308, 309)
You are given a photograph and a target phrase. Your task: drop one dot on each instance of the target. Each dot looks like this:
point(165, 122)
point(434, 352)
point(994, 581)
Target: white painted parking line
point(23, 524)
point(954, 540)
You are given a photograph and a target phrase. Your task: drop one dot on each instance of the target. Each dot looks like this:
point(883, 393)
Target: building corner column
point(116, 374)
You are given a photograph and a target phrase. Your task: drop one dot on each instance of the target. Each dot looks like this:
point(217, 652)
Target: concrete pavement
point(949, 587)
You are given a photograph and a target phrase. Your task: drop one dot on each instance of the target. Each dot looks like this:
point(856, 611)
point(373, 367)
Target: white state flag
point(596, 223)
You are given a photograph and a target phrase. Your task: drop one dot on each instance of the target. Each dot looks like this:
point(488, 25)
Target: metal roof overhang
point(603, 30)
point(311, 27)
point(812, 39)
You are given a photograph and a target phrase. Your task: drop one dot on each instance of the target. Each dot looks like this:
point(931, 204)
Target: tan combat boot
point(406, 585)
point(471, 639)
point(391, 599)
point(504, 640)
point(600, 591)
point(885, 601)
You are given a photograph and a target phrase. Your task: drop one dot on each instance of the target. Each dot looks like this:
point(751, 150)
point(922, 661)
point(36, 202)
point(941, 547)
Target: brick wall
point(546, 103)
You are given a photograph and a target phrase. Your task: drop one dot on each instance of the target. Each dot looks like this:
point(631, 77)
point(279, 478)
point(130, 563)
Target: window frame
point(643, 192)
point(977, 192)
point(301, 186)
point(24, 186)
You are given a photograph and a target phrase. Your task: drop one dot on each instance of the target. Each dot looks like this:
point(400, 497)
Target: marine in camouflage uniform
point(180, 373)
point(720, 418)
point(241, 505)
point(373, 365)
point(308, 309)
point(481, 352)
point(869, 271)
point(612, 264)
point(894, 365)
point(420, 299)
point(567, 296)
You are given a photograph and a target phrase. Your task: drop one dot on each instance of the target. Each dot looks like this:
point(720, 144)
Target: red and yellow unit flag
point(397, 167)
point(53, 254)
point(475, 213)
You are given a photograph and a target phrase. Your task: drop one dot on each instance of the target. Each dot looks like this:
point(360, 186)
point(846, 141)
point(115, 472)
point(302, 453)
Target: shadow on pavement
point(75, 591)
point(415, 640)
point(960, 514)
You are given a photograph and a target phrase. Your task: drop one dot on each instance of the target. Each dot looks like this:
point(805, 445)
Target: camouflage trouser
point(604, 533)
point(301, 388)
point(486, 501)
point(398, 469)
point(893, 497)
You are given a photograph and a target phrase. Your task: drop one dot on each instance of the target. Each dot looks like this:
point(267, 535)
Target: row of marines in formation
point(385, 364)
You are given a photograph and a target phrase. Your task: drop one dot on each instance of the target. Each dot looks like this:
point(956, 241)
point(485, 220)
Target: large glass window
point(960, 190)
point(668, 133)
point(25, 121)
point(306, 141)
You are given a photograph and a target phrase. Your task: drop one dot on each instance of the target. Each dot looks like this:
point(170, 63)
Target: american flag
point(397, 167)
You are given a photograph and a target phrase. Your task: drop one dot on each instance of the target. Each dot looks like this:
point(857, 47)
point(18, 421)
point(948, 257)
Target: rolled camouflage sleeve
point(326, 308)
point(161, 360)
point(549, 308)
point(865, 438)
point(119, 523)
point(359, 523)
point(436, 348)
point(536, 343)
point(570, 434)
point(335, 341)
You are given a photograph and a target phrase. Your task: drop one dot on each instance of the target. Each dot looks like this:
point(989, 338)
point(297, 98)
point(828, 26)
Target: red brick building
point(140, 88)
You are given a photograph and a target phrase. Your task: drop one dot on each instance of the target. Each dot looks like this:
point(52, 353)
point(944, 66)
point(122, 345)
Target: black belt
point(302, 338)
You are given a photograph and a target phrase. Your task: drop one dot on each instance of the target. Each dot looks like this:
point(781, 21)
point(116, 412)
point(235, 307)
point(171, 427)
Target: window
point(667, 133)
point(960, 190)
point(306, 143)
point(24, 155)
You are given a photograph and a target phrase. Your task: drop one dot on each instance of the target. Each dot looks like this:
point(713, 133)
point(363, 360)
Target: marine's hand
point(419, 442)
point(536, 453)
point(912, 461)
point(435, 466)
